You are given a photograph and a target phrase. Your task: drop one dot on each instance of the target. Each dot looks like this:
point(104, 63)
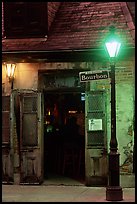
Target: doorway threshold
point(59, 180)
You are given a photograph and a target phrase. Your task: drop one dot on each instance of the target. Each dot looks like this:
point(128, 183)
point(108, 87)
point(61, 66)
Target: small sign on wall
point(95, 124)
point(93, 75)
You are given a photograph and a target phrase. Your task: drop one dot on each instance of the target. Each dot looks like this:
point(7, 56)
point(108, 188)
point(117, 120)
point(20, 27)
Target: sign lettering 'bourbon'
point(92, 75)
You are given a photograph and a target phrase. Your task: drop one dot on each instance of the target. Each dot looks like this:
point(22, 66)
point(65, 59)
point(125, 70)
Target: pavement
point(60, 193)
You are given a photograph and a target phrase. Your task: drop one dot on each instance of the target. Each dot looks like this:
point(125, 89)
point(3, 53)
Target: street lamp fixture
point(10, 70)
point(113, 190)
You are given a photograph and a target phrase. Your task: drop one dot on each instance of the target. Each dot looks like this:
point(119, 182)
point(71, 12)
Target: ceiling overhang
point(84, 55)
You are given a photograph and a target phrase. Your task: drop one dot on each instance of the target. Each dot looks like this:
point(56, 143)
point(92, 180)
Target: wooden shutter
point(96, 139)
point(5, 119)
point(31, 138)
point(7, 151)
point(96, 118)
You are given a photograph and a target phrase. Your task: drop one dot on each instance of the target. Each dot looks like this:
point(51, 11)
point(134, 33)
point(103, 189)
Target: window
point(25, 19)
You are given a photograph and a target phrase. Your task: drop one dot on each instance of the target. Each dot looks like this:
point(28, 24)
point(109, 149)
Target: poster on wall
point(95, 124)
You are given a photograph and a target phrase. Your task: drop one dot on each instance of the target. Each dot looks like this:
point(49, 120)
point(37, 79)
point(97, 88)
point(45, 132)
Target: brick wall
point(125, 86)
point(125, 78)
point(124, 73)
point(52, 9)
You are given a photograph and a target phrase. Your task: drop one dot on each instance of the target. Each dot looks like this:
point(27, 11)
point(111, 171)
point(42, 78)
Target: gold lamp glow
point(10, 70)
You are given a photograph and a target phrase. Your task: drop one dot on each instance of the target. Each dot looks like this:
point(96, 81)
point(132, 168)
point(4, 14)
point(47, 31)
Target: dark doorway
point(64, 135)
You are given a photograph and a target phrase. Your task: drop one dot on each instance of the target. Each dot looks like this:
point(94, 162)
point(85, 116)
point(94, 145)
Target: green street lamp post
point(113, 190)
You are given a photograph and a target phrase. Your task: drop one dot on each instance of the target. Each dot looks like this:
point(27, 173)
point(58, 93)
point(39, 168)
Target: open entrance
point(64, 135)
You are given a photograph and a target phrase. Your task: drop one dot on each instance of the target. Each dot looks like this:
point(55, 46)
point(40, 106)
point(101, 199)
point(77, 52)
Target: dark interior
point(64, 141)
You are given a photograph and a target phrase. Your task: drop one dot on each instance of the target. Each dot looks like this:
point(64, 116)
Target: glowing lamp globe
point(112, 44)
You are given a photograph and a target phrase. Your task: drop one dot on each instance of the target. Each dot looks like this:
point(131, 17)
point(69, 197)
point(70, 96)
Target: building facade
point(50, 50)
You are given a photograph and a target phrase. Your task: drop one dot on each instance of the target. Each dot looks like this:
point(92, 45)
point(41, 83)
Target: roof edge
point(59, 50)
point(65, 55)
point(128, 18)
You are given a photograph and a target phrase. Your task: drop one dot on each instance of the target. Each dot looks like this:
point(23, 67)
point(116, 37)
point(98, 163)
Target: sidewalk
point(52, 193)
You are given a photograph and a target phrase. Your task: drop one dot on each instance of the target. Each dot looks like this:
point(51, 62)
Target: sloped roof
point(80, 25)
point(131, 6)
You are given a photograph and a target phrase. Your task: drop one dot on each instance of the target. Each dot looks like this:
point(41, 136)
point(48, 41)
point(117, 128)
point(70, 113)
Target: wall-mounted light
point(10, 70)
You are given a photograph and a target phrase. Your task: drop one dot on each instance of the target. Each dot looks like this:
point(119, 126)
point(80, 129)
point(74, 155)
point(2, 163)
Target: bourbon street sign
point(93, 75)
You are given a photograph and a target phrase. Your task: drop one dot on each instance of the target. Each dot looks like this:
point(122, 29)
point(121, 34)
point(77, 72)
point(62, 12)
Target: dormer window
point(25, 19)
